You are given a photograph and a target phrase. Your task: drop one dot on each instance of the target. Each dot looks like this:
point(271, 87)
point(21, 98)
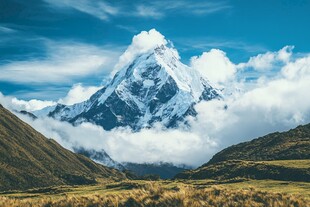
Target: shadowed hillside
point(163, 170)
point(28, 159)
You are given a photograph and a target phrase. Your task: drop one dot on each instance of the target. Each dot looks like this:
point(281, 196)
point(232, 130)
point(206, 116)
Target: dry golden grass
point(136, 194)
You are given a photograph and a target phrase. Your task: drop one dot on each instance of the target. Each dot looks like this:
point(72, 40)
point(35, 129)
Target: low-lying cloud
point(78, 93)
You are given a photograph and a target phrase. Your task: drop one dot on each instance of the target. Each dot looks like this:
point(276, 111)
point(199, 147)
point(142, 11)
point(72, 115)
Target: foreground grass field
point(167, 193)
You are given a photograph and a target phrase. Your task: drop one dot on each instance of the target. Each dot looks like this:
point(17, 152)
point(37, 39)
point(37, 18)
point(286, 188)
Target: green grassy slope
point(291, 145)
point(252, 169)
point(28, 159)
point(277, 156)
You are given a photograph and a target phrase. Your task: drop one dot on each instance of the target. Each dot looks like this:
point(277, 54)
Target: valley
point(222, 181)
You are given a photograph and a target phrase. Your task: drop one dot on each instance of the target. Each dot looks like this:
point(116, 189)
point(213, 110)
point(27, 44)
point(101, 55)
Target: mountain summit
point(154, 87)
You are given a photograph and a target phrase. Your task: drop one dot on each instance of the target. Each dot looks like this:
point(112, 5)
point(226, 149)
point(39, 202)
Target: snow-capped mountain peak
point(154, 87)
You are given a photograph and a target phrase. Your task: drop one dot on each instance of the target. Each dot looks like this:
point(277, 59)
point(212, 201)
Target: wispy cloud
point(4, 29)
point(211, 42)
point(127, 28)
point(145, 9)
point(155, 9)
point(64, 62)
point(97, 8)
point(148, 11)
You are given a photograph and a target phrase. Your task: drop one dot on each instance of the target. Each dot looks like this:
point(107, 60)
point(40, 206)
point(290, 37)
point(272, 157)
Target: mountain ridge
point(29, 160)
point(291, 144)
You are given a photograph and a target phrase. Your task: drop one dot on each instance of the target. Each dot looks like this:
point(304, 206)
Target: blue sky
point(55, 39)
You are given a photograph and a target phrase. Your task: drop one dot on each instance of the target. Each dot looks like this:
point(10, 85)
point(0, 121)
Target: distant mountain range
point(29, 160)
point(278, 156)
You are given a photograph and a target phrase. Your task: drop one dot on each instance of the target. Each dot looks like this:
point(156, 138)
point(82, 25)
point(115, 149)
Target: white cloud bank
point(13, 103)
point(149, 145)
point(78, 93)
point(215, 66)
point(268, 60)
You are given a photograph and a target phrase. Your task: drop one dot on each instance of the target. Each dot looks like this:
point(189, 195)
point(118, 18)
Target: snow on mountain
point(154, 87)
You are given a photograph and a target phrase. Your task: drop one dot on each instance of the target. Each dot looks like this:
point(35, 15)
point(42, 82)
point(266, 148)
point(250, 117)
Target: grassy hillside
point(277, 156)
point(167, 193)
point(28, 159)
point(297, 170)
point(291, 145)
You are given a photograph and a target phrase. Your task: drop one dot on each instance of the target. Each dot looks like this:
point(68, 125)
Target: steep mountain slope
point(155, 87)
point(279, 156)
point(28, 159)
point(291, 145)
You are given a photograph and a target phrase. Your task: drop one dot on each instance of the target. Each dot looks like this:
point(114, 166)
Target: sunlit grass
point(168, 193)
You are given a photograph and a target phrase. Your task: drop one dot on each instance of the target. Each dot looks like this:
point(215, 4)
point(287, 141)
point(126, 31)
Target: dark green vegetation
point(162, 170)
point(28, 159)
point(278, 156)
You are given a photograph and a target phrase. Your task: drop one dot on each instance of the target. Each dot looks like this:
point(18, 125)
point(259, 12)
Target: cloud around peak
point(215, 66)
point(141, 43)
